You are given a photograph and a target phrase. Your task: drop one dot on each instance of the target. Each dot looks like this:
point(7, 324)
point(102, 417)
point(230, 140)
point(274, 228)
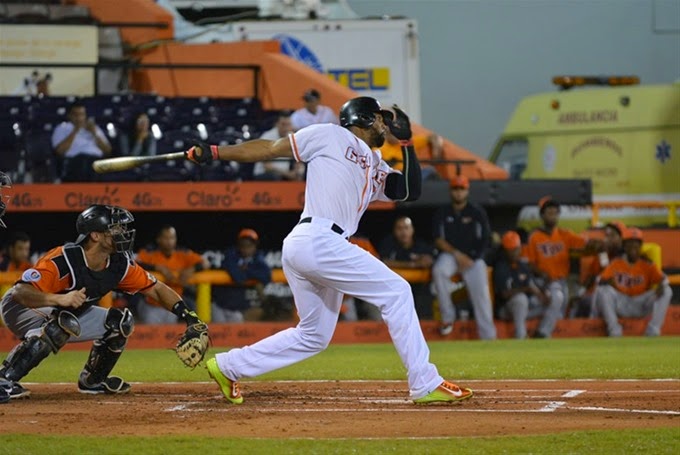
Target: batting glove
point(202, 153)
point(400, 126)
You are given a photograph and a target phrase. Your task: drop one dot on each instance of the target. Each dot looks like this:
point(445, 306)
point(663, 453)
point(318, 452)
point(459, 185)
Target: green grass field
point(596, 358)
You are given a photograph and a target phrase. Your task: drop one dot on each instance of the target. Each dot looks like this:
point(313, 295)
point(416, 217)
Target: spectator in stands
point(354, 309)
point(250, 274)
point(584, 307)
point(427, 147)
point(280, 168)
point(462, 235)
point(313, 112)
point(79, 141)
point(137, 140)
point(518, 298)
point(633, 287)
point(403, 250)
point(17, 253)
point(549, 253)
point(174, 266)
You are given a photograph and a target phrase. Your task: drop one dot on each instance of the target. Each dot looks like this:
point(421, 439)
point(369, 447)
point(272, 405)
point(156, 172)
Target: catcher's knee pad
point(33, 350)
point(105, 352)
point(119, 326)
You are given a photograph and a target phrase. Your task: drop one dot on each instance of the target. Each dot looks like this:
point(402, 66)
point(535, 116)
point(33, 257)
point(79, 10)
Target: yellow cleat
point(445, 392)
point(230, 389)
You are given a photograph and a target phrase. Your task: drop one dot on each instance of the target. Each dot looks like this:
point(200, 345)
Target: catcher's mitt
point(193, 344)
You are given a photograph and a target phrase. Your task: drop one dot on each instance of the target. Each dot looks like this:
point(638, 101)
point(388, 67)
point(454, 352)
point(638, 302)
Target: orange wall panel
point(132, 11)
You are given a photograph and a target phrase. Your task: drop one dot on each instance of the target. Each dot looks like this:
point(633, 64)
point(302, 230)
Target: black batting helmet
point(107, 218)
point(5, 182)
point(361, 112)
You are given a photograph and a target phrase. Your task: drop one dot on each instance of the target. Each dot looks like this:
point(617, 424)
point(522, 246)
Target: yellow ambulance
point(623, 136)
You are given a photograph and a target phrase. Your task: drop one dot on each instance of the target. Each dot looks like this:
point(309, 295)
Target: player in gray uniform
point(462, 235)
point(55, 302)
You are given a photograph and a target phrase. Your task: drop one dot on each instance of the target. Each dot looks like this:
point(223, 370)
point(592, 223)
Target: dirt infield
point(347, 409)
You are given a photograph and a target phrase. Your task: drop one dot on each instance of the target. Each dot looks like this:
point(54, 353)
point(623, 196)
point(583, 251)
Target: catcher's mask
point(5, 182)
point(361, 112)
point(106, 218)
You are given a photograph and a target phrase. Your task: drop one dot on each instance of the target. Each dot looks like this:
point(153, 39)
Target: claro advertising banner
point(38, 46)
point(161, 196)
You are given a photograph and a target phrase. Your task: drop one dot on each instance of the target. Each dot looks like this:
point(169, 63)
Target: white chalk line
point(634, 411)
point(416, 409)
point(551, 406)
point(572, 393)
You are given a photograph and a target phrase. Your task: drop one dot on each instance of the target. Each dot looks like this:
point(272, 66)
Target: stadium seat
point(40, 158)
point(219, 171)
point(169, 171)
point(71, 14)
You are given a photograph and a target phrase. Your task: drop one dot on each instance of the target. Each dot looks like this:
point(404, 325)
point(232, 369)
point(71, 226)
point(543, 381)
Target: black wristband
point(183, 312)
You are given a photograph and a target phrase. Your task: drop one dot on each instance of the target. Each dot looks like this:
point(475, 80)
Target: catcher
point(55, 302)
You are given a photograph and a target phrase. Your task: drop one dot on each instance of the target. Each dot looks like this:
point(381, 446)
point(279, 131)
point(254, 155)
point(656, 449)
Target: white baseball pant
point(320, 266)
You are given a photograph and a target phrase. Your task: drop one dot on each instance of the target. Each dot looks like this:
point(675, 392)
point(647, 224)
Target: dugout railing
point(204, 281)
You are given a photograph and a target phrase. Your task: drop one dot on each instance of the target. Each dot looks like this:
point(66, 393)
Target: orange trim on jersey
point(50, 281)
point(363, 192)
point(295, 147)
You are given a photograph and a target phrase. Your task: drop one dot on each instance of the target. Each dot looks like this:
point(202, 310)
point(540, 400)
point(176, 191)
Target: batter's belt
point(335, 228)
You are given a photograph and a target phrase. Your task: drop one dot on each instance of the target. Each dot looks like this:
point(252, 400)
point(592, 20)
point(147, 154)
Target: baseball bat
point(124, 163)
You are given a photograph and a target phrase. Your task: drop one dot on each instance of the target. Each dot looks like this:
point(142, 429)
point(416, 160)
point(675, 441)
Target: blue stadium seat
point(40, 158)
point(169, 171)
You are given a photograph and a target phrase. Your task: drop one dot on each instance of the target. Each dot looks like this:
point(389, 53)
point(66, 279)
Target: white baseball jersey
point(303, 118)
point(343, 174)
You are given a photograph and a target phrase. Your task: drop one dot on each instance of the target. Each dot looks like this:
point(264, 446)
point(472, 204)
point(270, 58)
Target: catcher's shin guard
point(106, 352)
point(35, 348)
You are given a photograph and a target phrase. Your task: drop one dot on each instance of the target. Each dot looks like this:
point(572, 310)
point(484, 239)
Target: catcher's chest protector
point(96, 283)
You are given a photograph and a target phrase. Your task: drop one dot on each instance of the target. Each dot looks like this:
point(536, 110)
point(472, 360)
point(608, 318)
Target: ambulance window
point(513, 157)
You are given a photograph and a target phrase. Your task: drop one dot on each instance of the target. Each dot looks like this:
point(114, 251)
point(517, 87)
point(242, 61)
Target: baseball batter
point(344, 175)
point(55, 302)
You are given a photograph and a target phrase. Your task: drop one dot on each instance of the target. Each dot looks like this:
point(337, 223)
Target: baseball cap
point(248, 234)
point(632, 234)
point(618, 226)
point(547, 201)
point(459, 181)
point(311, 94)
point(511, 240)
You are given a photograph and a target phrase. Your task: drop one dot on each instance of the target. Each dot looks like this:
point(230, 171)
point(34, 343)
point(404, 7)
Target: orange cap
point(511, 240)
point(618, 226)
point(248, 234)
point(633, 233)
point(460, 181)
point(545, 202)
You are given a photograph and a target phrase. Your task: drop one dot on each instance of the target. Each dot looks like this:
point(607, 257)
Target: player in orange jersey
point(175, 265)
point(633, 287)
point(549, 256)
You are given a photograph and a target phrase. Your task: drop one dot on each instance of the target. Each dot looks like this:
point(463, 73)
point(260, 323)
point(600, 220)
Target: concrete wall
point(479, 58)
